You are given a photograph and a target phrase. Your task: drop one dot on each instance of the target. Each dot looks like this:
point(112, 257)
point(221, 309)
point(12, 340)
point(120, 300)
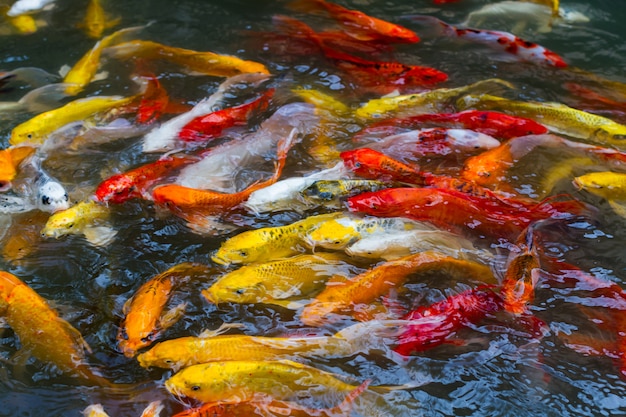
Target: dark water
point(498, 374)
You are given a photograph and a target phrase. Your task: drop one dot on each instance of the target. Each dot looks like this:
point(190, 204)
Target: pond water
point(498, 372)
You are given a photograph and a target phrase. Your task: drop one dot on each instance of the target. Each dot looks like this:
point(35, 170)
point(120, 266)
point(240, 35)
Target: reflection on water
point(498, 371)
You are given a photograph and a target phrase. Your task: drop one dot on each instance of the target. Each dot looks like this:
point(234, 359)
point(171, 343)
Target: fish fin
point(589, 345)
point(101, 76)
point(76, 336)
point(99, 235)
point(170, 317)
point(619, 207)
point(153, 409)
point(112, 22)
point(64, 70)
point(208, 333)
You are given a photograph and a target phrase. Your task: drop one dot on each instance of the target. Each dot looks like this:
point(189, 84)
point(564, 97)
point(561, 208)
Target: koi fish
point(206, 63)
point(95, 410)
point(505, 42)
point(269, 242)
point(371, 164)
point(237, 381)
point(522, 274)
point(155, 101)
point(163, 138)
point(136, 183)
point(495, 124)
point(431, 326)
point(10, 160)
point(84, 71)
point(451, 209)
point(211, 126)
point(395, 245)
point(96, 21)
point(24, 24)
point(347, 229)
point(348, 297)
point(36, 324)
point(608, 185)
point(367, 27)
point(144, 319)
point(282, 282)
point(85, 217)
point(29, 6)
point(36, 130)
point(332, 193)
point(51, 196)
point(556, 116)
point(434, 101)
point(286, 194)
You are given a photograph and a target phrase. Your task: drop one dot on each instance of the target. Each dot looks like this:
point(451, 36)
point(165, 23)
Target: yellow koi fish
point(434, 101)
point(555, 116)
point(144, 318)
point(206, 63)
point(24, 24)
point(608, 185)
point(280, 282)
point(87, 218)
point(36, 130)
point(245, 380)
point(42, 333)
point(96, 21)
point(84, 71)
point(343, 297)
point(268, 243)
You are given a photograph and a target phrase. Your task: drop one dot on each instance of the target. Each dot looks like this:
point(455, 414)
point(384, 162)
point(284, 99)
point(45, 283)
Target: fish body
point(36, 130)
point(434, 101)
point(42, 333)
point(85, 217)
point(10, 160)
point(331, 193)
point(268, 243)
point(556, 116)
point(276, 282)
point(144, 319)
point(136, 183)
point(522, 274)
point(395, 245)
point(433, 325)
point(451, 209)
point(96, 21)
point(236, 381)
point(28, 6)
point(211, 126)
point(342, 231)
point(206, 63)
point(365, 25)
point(346, 297)
point(371, 164)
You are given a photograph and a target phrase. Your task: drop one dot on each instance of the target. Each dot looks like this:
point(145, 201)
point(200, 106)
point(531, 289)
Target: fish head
point(611, 133)
point(598, 183)
point(52, 197)
point(59, 224)
point(130, 339)
point(243, 248)
point(418, 76)
point(235, 290)
point(160, 356)
point(25, 133)
point(200, 382)
point(116, 189)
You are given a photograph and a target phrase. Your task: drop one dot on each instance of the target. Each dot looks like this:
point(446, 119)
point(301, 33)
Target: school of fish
point(377, 223)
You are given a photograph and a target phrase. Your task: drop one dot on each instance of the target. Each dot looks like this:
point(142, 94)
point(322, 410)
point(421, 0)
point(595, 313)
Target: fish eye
point(357, 165)
point(619, 137)
point(168, 361)
point(45, 200)
point(195, 388)
point(243, 253)
point(29, 136)
point(240, 291)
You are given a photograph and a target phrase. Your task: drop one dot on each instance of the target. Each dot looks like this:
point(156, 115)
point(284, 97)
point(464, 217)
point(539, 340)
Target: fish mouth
point(220, 261)
point(209, 296)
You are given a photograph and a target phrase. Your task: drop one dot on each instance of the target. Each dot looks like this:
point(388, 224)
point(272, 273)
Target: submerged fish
point(28, 6)
point(96, 20)
point(332, 193)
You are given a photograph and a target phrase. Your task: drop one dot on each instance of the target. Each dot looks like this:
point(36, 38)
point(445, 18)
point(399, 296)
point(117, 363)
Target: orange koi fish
point(42, 333)
point(375, 165)
point(522, 274)
point(10, 159)
point(155, 101)
point(366, 27)
point(348, 297)
point(212, 125)
point(144, 319)
point(433, 325)
point(498, 125)
point(136, 183)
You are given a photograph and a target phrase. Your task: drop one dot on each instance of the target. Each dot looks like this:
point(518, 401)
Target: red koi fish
point(155, 102)
point(451, 210)
point(506, 42)
point(498, 125)
point(522, 274)
point(366, 27)
point(136, 183)
point(433, 325)
point(391, 75)
point(212, 125)
point(375, 165)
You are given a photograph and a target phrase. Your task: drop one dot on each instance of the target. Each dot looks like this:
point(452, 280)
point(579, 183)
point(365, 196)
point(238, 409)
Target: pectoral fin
point(619, 207)
point(99, 235)
point(170, 317)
